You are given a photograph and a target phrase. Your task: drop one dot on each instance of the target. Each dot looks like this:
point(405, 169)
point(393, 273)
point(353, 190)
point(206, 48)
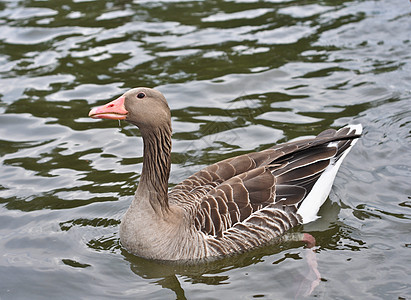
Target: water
point(239, 76)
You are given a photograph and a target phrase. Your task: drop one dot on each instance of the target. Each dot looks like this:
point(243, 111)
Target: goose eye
point(141, 95)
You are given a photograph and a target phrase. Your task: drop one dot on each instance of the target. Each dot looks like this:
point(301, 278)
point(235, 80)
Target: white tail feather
point(321, 189)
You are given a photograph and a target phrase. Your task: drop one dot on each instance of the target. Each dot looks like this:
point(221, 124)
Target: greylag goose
point(228, 207)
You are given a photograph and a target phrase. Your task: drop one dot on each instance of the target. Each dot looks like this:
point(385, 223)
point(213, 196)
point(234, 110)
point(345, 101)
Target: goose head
point(144, 107)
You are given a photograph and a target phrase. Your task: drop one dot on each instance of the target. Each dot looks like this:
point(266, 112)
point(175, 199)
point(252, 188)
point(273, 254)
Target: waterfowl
point(228, 207)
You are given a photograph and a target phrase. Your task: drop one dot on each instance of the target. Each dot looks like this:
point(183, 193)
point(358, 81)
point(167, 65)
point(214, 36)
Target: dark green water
point(239, 76)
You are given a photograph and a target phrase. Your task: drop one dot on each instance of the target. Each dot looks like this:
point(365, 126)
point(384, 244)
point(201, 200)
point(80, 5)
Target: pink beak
point(114, 110)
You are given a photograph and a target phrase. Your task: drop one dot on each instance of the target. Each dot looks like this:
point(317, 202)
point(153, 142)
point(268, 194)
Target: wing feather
point(244, 201)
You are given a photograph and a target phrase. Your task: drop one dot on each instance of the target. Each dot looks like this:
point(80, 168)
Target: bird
point(228, 207)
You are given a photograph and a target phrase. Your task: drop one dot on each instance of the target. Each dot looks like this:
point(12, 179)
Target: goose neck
point(156, 166)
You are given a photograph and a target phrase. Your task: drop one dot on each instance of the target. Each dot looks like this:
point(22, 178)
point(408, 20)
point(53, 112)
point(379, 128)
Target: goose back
point(249, 200)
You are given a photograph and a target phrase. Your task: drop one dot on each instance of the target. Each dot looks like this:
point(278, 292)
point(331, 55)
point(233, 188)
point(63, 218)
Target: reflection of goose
point(174, 276)
point(229, 207)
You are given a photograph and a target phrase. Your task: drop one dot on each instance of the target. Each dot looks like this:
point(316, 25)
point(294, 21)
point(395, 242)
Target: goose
point(229, 207)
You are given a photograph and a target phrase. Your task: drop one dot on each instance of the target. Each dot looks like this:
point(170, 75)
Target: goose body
point(228, 207)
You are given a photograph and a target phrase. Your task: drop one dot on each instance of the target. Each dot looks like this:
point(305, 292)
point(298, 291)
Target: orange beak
point(114, 110)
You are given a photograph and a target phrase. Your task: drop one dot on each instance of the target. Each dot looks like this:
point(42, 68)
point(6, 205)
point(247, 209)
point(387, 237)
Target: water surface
point(239, 76)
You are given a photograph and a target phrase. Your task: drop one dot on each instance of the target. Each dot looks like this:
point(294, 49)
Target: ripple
point(114, 15)
point(239, 76)
point(304, 11)
point(246, 14)
point(37, 35)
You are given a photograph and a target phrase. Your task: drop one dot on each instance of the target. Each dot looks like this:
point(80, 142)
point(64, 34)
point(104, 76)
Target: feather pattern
point(246, 201)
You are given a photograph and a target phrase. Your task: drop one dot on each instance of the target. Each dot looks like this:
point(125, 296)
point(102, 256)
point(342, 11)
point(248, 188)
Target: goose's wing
point(190, 193)
point(282, 185)
point(256, 188)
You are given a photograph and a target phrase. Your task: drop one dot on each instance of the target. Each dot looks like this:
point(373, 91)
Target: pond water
point(239, 76)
